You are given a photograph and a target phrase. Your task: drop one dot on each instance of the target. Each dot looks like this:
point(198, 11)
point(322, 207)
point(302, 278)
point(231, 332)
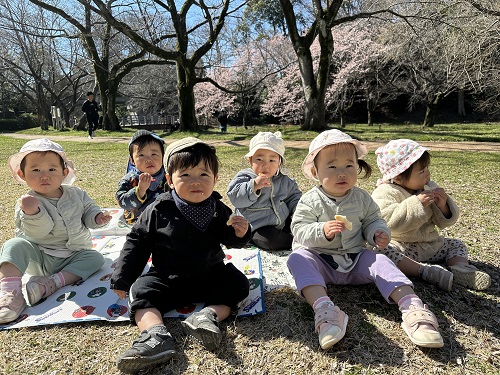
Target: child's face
point(148, 159)
point(265, 162)
point(193, 184)
point(44, 173)
point(336, 168)
point(419, 177)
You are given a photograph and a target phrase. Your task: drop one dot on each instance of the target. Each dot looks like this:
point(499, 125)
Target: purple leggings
point(308, 268)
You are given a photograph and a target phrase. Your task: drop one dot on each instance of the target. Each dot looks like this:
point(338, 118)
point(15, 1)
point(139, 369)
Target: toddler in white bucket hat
point(413, 206)
point(53, 242)
point(335, 226)
point(327, 138)
point(264, 194)
point(40, 145)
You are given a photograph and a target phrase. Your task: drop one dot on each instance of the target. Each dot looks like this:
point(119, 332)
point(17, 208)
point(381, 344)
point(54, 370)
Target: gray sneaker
point(152, 347)
point(437, 275)
point(204, 327)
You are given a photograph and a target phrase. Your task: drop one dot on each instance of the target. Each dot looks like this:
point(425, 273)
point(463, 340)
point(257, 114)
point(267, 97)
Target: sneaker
point(469, 276)
point(90, 137)
point(12, 304)
point(152, 347)
point(421, 326)
point(438, 276)
point(204, 327)
point(330, 323)
point(39, 287)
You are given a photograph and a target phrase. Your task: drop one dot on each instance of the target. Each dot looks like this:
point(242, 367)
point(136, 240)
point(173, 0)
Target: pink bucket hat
point(40, 145)
point(268, 141)
point(397, 156)
point(327, 138)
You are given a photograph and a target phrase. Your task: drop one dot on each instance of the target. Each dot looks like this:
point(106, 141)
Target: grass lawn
point(480, 132)
point(282, 341)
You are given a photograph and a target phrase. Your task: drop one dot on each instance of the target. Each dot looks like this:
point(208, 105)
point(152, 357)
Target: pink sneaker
point(331, 324)
point(39, 287)
point(12, 304)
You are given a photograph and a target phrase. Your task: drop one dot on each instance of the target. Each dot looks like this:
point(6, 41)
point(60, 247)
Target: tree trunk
point(185, 92)
point(369, 107)
point(342, 119)
point(108, 104)
point(461, 103)
point(430, 113)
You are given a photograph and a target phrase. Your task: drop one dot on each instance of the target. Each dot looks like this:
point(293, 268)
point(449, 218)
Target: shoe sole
point(209, 339)
point(337, 338)
point(424, 344)
point(476, 280)
point(135, 364)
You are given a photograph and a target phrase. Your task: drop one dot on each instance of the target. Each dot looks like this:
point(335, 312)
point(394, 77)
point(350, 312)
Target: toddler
point(413, 206)
point(182, 231)
point(53, 242)
point(264, 194)
point(145, 178)
point(333, 224)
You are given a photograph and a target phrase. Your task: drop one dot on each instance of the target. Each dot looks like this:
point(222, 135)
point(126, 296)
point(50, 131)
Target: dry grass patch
point(282, 341)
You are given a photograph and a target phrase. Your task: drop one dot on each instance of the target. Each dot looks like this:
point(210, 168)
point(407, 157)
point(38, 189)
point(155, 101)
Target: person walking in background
point(91, 109)
point(222, 118)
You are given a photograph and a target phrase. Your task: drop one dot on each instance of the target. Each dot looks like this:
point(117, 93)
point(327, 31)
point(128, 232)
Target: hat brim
point(261, 147)
point(308, 162)
point(179, 146)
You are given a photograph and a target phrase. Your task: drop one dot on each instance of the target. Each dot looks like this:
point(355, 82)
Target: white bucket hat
point(327, 138)
point(267, 141)
point(40, 145)
point(397, 156)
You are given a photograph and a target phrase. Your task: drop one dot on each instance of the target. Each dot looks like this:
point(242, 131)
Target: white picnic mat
point(93, 300)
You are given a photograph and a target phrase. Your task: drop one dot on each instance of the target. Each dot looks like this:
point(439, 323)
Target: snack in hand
point(427, 187)
point(106, 213)
point(342, 218)
point(230, 220)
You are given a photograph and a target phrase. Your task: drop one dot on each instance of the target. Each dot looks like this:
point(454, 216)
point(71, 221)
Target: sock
point(321, 301)
point(58, 279)
point(410, 299)
point(160, 328)
point(11, 283)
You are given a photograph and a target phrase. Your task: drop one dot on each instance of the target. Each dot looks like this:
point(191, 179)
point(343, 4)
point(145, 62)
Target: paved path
point(434, 146)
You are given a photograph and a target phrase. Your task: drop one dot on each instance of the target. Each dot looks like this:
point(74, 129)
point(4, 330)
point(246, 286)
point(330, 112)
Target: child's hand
point(29, 204)
point(145, 180)
point(261, 181)
point(381, 239)
point(440, 197)
point(240, 225)
point(121, 293)
point(102, 219)
point(426, 197)
point(332, 227)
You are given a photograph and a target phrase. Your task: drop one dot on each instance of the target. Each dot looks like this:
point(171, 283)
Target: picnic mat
point(93, 300)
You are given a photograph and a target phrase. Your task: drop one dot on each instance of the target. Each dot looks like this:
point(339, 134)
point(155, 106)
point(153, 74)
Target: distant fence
point(149, 121)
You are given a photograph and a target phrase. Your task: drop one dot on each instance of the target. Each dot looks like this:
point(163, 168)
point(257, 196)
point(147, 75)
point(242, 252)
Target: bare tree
point(44, 69)
point(189, 34)
point(98, 38)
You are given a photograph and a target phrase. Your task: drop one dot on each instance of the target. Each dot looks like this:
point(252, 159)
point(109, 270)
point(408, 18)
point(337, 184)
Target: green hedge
point(20, 123)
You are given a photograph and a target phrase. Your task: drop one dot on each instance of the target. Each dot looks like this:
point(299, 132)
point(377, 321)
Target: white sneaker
point(90, 137)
